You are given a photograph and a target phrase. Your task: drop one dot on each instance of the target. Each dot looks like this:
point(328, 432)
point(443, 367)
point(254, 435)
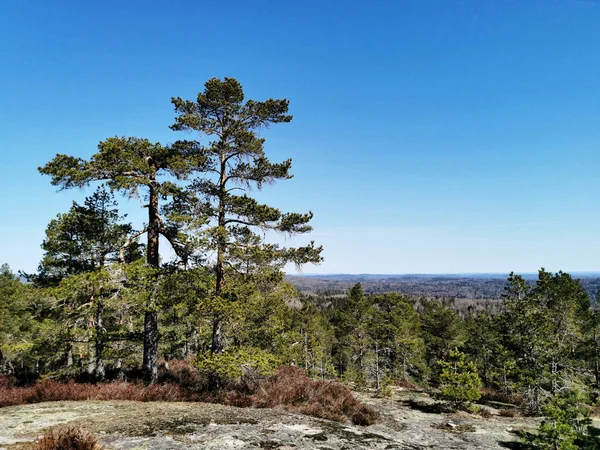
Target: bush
point(407, 384)
point(288, 389)
point(482, 412)
point(6, 381)
point(385, 386)
point(566, 424)
point(506, 412)
point(494, 395)
point(51, 391)
point(459, 380)
point(292, 390)
point(71, 438)
point(234, 365)
point(183, 374)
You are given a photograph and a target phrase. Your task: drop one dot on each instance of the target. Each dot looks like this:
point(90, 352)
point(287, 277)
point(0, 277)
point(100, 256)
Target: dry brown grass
point(482, 412)
point(289, 389)
point(50, 391)
point(70, 438)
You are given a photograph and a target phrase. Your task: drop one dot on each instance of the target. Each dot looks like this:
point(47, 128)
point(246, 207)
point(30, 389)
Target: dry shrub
point(506, 412)
point(483, 412)
point(71, 438)
point(407, 384)
point(184, 374)
point(51, 391)
point(493, 395)
point(292, 390)
point(6, 381)
point(289, 389)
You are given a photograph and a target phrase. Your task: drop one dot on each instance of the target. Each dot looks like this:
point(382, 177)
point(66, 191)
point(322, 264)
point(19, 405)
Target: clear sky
point(428, 135)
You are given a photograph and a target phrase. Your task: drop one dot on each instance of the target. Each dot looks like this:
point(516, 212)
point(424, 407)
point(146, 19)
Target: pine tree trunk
point(99, 372)
point(149, 370)
point(150, 346)
point(217, 337)
point(91, 366)
point(69, 354)
point(218, 344)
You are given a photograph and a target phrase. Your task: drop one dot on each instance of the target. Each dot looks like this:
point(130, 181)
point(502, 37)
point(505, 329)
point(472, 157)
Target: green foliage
point(385, 386)
point(315, 340)
point(442, 331)
point(16, 321)
point(565, 426)
point(487, 349)
point(349, 319)
point(542, 326)
point(84, 239)
point(233, 160)
point(235, 363)
point(459, 380)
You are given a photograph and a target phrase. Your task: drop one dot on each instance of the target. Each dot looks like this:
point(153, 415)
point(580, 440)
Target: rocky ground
point(406, 423)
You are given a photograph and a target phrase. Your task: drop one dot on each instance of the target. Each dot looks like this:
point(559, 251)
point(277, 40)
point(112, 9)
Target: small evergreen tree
point(442, 331)
point(566, 424)
point(459, 380)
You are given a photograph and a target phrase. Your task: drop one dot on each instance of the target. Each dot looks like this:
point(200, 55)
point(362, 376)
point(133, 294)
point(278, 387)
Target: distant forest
point(431, 286)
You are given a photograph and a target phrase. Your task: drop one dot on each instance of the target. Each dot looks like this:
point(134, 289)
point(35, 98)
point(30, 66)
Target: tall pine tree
point(235, 162)
point(137, 167)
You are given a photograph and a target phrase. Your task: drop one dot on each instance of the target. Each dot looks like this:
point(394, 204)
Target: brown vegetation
point(407, 384)
point(71, 438)
point(508, 412)
point(289, 389)
point(493, 395)
point(482, 412)
point(292, 390)
point(50, 391)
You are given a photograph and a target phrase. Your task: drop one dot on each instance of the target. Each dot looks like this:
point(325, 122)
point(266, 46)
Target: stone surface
point(405, 424)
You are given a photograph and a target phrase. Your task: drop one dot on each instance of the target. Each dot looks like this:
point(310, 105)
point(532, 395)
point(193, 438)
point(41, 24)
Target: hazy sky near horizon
point(429, 136)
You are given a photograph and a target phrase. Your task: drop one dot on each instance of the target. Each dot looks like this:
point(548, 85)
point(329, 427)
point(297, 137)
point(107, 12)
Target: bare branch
point(128, 242)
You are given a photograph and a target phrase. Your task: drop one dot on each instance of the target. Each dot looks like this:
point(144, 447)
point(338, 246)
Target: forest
point(107, 304)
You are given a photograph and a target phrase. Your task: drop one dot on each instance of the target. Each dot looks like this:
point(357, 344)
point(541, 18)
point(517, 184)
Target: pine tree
point(566, 424)
point(84, 239)
point(442, 331)
point(543, 327)
point(459, 380)
point(130, 165)
point(233, 162)
point(350, 321)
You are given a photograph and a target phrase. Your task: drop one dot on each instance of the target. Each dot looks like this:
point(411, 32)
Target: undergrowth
point(289, 389)
point(70, 438)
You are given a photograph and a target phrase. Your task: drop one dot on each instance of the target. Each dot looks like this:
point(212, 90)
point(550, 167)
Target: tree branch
point(128, 242)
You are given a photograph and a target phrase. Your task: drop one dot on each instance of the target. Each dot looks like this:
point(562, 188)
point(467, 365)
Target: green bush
point(234, 364)
point(459, 380)
point(565, 426)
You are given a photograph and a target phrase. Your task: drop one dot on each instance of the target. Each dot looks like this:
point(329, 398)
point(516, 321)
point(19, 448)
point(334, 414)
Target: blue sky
point(428, 135)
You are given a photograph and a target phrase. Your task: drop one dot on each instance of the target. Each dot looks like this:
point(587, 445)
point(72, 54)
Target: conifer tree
point(350, 320)
point(233, 163)
point(544, 325)
point(132, 165)
point(459, 380)
point(84, 239)
point(442, 331)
